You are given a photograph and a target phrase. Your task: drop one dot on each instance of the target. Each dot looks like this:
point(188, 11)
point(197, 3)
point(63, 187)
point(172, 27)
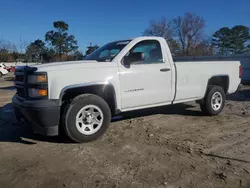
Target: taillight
point(241, 70)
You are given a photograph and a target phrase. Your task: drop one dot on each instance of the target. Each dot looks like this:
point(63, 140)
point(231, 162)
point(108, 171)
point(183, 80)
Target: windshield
point(108, 52)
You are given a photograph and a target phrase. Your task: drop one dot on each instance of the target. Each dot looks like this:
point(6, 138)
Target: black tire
point(206, 105)
point(70, 113)
point(1, 74)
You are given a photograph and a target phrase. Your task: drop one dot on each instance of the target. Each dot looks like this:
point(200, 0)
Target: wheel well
point(222, 81)
point(107, 92)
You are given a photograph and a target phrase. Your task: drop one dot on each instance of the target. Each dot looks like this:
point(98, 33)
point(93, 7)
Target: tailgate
point(246, 69)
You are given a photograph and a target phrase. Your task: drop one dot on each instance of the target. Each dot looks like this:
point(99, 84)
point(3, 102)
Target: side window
point(150, 50)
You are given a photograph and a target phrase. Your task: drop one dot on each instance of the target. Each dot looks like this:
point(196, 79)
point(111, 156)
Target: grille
point(21, 92)
point(19, 78)
point(20, 83)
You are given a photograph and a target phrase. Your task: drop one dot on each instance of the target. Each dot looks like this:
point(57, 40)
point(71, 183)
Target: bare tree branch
point(23, 44)
point(189, 30)
point(161, 28)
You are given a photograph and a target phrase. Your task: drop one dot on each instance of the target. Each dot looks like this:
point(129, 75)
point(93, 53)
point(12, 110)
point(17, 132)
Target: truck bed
point(193, 77)
point(244, 60)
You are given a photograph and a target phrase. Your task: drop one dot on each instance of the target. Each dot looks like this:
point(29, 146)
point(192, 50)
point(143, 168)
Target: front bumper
point(42, 115)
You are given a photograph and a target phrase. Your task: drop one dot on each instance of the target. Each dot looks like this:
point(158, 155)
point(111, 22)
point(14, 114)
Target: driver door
point(147, 81)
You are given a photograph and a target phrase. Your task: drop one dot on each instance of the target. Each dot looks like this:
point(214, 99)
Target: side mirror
point(126, 61)
point(133, 57)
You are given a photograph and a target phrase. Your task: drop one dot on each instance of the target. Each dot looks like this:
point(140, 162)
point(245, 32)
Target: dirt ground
point(171, 147)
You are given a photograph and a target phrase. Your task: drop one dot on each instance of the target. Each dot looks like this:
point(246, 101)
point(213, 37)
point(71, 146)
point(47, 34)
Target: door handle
point(165, 70)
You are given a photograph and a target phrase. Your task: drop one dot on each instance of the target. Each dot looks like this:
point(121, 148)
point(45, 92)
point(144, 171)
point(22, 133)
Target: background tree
point(240, 36)
point(189, 31)
point(60, 40)
point(4, 54)
point(4, 50)
point(36, 50)
point(232, 41)
point(221, 40)
point(5, 45)
point(163, 28)
point(23, 44)
point(174, 47)
point(49, 55)
point(248, 48)
point(91, 49)
point(8, 51)
point(77, 55)
point(204, 48)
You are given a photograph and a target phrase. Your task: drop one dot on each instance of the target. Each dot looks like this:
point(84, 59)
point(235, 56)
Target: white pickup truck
point(82, 96)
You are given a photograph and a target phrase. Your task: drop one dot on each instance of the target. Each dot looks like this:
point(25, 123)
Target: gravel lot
point(162, 147)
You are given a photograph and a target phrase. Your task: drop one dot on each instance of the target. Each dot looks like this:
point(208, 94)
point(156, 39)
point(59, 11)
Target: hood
point(70, 65)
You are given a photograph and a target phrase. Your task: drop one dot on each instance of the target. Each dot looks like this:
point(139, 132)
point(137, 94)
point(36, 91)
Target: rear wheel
point(214, 101)
point(86, 118)
point(1, 74)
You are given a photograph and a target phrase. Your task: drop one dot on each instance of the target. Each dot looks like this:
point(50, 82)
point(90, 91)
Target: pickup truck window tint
point(108, 52)
point(151, 50)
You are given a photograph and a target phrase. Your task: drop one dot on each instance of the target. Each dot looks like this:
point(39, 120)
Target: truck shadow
point(9, 78)
point(13, 131)
point(177, 109)
point(8, 88)
point(242, 95)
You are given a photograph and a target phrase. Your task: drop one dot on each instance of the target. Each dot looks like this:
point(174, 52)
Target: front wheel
point(214, 101)
point(86, 118)
point(1, 74)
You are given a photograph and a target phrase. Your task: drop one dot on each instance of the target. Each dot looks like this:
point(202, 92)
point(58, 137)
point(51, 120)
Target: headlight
point(34, 79)
point(37, 85)
point(33, 92)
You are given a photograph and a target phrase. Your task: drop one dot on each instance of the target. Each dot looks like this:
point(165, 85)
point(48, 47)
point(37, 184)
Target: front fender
point(103, 89)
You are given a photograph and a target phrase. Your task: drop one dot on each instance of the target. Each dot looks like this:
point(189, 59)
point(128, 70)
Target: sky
point(102, 21)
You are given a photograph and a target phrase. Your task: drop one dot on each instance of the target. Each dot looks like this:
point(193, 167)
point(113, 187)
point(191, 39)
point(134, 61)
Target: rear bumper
point(239, 87)
point(245, 82)
point(42, 115)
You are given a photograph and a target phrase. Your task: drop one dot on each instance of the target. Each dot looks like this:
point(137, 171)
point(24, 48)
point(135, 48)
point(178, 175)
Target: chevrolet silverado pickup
point(82, 96)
